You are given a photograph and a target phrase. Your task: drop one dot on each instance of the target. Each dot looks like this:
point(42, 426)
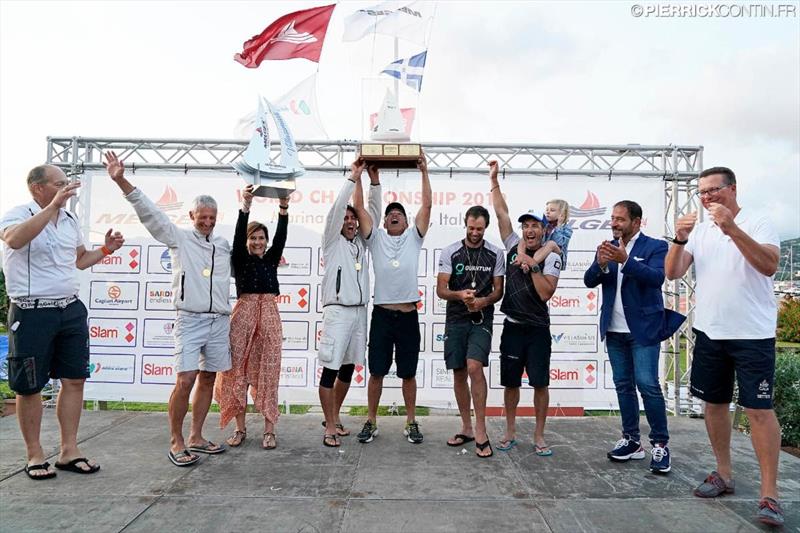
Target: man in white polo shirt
point(394, 327)
point(48, 335)
point(735, 254)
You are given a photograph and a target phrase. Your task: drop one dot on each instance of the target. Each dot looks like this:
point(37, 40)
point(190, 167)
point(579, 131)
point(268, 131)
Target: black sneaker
point(660, 463)
point(412, 432)
point(368, 432)
point(626, 449)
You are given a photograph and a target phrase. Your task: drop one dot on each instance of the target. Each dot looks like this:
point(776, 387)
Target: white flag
point(298, 108)
point(406, 20)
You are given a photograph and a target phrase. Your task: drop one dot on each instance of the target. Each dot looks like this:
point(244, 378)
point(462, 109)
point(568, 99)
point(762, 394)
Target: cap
point(534, 215)
point(395, 205)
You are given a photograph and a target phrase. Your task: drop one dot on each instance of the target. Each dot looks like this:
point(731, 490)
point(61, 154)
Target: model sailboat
point(389, 125)
point(255, 165)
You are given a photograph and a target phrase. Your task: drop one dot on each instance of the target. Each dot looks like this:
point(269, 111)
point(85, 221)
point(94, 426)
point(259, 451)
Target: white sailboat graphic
point(389, 124)
point(290, 35)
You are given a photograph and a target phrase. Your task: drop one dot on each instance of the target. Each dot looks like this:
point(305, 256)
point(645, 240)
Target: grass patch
point(786, 344)
point(599, 412)
point(386, 411)
point(153, 407)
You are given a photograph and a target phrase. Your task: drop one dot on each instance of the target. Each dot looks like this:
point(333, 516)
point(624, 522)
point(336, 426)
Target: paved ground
point(388, 485)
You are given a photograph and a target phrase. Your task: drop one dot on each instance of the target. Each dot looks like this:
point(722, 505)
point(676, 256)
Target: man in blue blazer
point(633, 322)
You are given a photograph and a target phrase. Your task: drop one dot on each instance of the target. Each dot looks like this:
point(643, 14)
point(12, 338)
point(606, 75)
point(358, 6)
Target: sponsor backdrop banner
point(129, 293)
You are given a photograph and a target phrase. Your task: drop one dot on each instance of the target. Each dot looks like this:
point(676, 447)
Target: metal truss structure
point(675, 165)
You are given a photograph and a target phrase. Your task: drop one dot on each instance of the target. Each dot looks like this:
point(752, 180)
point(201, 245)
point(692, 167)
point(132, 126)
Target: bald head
point(44, 174)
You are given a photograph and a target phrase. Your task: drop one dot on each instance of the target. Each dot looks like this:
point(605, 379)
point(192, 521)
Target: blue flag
point(408, 70)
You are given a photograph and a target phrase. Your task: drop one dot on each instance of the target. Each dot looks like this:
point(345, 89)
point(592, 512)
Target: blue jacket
point(642, 302)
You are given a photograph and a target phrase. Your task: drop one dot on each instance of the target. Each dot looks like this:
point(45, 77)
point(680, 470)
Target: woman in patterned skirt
point(256, 333)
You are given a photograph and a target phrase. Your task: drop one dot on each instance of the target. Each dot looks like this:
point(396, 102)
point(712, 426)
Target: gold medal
point(395, 263)
point(358, 266)
point(206, 272)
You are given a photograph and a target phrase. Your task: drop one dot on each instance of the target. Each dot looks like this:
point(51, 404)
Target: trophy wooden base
point(391, 155)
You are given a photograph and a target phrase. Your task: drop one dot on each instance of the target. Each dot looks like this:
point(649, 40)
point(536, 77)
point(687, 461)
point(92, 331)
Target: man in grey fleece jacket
point(345, 293)
point(201, 275)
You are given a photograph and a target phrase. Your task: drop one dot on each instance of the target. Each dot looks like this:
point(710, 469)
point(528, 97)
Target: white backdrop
point(129, 299)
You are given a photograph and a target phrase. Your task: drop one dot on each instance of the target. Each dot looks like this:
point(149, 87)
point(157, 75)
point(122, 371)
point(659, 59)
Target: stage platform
point(387, 485)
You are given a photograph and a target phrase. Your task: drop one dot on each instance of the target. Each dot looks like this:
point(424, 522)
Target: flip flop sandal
point(72, 466)
point(480, 446)
point(209, 448)
point(506, 445)
point(43, 466)
point(237, 439)
point(339, 430)
point(175, 458)
point(463, 439)
point(331, 441)
point(269, 442)
point(543, 451)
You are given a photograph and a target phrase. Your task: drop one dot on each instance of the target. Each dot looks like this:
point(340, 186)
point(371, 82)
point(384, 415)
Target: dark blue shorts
point(46, 343)
point(393, 332)
point(716, 363)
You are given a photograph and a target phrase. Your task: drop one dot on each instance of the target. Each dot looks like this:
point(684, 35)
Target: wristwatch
point(676, 240)
point(535, 269)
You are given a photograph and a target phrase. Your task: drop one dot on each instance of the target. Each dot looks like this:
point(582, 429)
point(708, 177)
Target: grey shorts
point(465, 340)
point(202, 342)
point(344, 336)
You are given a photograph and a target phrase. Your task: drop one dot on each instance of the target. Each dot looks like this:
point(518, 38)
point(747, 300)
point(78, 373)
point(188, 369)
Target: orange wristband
point(105, 250)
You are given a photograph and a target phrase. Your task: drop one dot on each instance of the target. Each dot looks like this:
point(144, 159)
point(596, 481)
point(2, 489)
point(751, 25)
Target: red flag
point(296, 35)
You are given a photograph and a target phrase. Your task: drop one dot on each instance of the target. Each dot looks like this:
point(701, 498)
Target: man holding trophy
point(394, 327)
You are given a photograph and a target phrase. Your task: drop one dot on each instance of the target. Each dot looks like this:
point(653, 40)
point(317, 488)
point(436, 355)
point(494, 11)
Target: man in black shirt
point(471, 280)
point(525, 342)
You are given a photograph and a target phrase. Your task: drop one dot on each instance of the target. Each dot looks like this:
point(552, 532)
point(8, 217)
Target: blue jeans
point(635, 366)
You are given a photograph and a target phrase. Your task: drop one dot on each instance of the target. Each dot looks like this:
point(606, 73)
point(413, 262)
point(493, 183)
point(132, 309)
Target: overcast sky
point(521, 72)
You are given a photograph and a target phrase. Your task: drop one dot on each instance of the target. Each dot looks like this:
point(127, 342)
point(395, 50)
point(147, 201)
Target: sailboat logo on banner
point(256, 166)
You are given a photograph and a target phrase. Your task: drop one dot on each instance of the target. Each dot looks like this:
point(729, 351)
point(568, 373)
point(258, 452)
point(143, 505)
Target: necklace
point(352, 245)
point(474, 267)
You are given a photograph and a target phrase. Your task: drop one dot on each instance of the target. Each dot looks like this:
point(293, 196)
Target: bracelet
point(283, 207)
point(105, 250)
point(493, 188)
point(679, 242)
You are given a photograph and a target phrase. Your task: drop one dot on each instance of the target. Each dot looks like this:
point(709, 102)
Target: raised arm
point(113, 242)
point(499, 203)
point(279, 240)
point(678, 260)
point(423, 219)
point(154, 220)
point(375, 201)
point(116, 169)
point(18, 235)
point(239, 247)
point(365, 221)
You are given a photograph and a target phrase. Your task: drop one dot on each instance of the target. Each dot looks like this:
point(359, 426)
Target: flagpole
point(397, 80)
